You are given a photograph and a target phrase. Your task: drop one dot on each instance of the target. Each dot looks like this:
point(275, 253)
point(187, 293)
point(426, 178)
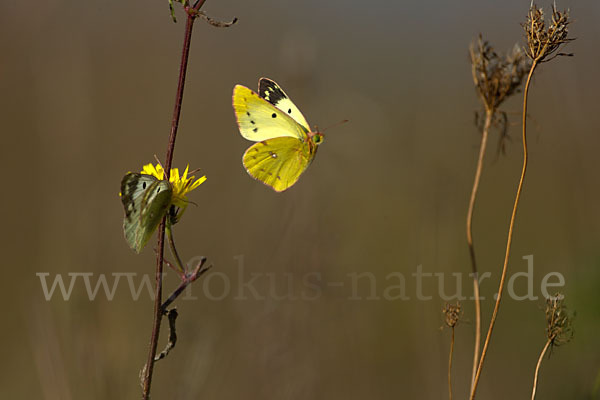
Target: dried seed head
point(495, 76)
point(543, 42)
point(559, 329)
point(453, 314)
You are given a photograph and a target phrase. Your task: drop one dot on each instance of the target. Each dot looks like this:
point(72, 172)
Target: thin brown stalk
point(450, 365)
point(496, 77)
point(482, 148)
point(537, 367)
point(158, 310)
point(542, 44)
point(510, 235)
point(453, 314)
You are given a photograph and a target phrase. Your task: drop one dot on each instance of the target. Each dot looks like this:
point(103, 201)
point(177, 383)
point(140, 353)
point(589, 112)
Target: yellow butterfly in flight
point(286, 145)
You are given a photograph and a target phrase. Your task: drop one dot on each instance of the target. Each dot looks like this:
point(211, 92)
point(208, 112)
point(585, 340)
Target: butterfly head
point(317, 137)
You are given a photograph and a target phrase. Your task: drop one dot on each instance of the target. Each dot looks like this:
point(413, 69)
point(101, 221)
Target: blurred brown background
point(87, 95)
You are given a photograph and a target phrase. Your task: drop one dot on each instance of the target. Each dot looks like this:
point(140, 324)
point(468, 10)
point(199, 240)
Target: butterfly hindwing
point(271, 92)
point(259, 120)
point(280, 161)
point(146, 200)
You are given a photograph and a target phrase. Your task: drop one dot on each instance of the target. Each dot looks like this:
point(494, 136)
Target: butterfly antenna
point(334, 125)
point(163, 168)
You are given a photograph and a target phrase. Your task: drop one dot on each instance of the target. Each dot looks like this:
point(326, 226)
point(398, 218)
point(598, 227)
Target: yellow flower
point(181, 185)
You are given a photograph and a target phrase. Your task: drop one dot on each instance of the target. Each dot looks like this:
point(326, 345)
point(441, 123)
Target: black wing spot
point(273, 115)
point(278, 177)
point(252, 122)
point(144, 185)
point(255, 130)
point(248, 113)
point(289, 110)
point(275, 94)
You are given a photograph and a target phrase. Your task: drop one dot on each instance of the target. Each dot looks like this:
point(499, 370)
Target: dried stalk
point(495, 78)
point(542, 45)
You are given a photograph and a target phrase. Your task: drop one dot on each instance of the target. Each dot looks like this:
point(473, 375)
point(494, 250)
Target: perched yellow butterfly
point(286, 145)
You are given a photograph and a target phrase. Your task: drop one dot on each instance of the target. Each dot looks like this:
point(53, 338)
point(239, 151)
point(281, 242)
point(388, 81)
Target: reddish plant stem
point(158, 311)
point(186, 280)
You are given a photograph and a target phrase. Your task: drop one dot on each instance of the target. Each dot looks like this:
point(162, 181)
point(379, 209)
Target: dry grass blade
point(214, 22)
point(172, 315)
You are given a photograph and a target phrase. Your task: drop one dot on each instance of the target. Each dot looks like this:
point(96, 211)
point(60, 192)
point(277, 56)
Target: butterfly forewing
point(279, 162)
point(146, 200)
point(259, 120)
point(271, 92)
